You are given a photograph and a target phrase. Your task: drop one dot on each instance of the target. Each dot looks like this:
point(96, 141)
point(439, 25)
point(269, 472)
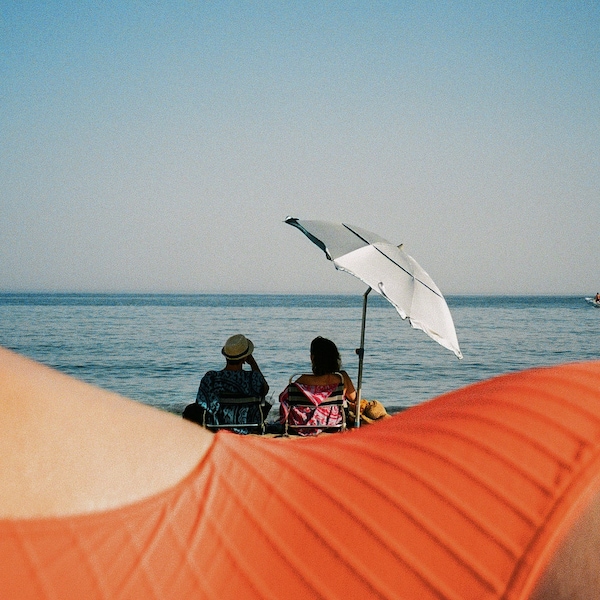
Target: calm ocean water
point(155, 348)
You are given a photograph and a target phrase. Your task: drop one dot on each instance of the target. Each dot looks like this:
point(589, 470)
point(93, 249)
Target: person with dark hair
point(233, 378)
point(326, 376)
point(325, 357)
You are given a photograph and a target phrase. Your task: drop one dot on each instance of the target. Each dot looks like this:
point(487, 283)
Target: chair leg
point(286, 427)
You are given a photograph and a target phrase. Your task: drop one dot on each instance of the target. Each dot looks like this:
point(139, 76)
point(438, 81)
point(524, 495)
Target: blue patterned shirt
point(244, 383)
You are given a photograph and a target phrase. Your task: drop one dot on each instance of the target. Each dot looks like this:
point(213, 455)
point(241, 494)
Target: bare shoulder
point(327, 379)
point(346, 376)
point(67, 447)
point(349, 386)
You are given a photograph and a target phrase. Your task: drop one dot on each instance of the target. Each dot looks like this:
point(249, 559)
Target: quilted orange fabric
point(466, 496)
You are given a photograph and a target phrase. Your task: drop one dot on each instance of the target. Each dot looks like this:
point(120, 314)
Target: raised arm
point(254, 366)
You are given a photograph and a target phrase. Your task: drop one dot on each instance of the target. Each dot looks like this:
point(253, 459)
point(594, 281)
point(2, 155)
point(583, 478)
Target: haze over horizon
point(159, 148)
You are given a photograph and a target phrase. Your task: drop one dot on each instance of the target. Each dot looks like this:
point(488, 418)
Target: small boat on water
point(593, 302)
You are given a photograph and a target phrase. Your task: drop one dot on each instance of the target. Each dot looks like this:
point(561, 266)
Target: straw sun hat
point(237, 347)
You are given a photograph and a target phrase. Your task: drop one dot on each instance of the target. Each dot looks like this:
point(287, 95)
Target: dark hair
point(325, 356)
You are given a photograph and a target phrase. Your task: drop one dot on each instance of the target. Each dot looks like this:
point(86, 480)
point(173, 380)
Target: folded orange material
point(465, 496)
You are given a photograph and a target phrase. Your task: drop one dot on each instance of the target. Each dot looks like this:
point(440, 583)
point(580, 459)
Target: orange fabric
point(466, 496)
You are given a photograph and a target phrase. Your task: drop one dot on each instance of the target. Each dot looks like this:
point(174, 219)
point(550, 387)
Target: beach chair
point(234, 399)
point(297, 399)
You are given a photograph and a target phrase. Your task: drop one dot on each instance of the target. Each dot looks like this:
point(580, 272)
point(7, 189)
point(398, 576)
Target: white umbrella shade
point(388, 270)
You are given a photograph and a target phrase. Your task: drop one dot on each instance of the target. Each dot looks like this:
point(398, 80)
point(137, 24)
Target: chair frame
point(297, 399)
point(237, 399)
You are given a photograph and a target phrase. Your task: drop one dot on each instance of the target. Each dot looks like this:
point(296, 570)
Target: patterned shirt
point(244, 383)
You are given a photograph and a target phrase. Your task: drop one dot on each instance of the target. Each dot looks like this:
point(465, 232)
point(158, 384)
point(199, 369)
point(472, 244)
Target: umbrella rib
point(390, 259)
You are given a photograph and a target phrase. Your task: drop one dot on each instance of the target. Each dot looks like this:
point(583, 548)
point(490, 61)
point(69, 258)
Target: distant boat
point(593, 302)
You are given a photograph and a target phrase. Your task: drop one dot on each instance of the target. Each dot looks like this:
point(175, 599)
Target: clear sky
point(158, 146)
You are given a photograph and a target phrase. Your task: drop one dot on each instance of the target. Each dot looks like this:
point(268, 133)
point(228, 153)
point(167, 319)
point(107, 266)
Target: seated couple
point(326, 382)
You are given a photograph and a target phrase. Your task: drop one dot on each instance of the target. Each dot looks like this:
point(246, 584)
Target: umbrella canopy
point(388, 270)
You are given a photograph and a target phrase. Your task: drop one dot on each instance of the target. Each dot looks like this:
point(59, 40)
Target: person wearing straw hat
point(233, 378)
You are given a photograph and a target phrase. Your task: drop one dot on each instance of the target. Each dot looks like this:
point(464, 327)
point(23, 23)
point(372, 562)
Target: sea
point(154, 348)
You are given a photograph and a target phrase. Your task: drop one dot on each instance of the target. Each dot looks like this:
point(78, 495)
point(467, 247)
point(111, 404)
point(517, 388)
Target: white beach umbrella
point(389, 271)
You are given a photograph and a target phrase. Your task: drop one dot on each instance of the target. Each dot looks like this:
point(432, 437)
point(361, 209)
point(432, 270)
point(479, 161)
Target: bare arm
point(254, 366)
point(349, 390)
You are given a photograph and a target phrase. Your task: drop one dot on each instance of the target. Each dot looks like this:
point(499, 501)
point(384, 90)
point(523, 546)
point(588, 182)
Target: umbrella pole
point(361, 354)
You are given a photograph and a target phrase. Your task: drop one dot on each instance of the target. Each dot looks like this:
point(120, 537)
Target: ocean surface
point(154, 348)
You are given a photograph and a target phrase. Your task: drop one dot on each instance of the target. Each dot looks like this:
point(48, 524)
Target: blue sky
point(158, 146)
